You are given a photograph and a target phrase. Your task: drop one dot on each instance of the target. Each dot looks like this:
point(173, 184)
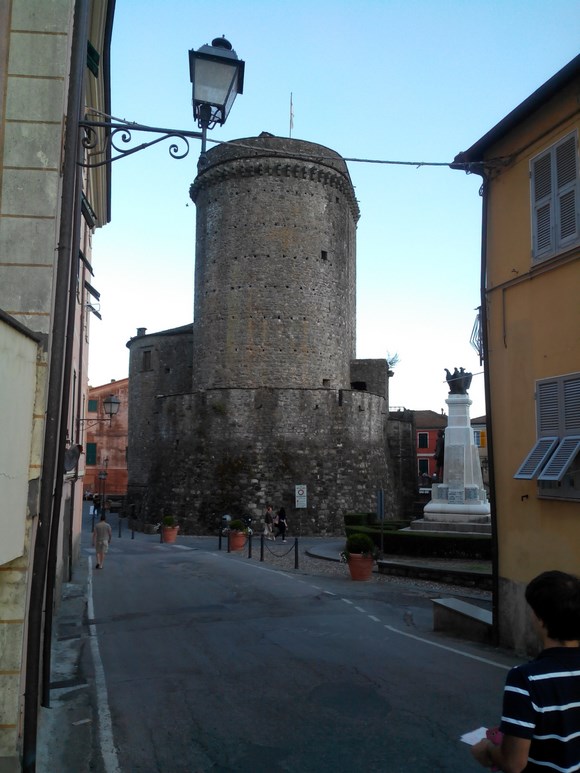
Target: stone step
point(471, 527)
point(461, 619)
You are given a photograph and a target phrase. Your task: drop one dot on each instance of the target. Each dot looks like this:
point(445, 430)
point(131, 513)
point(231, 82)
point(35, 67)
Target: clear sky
point(404, 80)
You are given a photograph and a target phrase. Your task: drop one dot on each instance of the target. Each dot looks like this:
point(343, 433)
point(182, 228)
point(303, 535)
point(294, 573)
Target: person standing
point(282, 523)
point(102, 535)
point(269, 523)
point(541, 707)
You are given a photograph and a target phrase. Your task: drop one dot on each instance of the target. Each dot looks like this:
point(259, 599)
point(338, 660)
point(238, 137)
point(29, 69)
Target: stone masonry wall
point(158, 364)
point(275, 266)
point(248, 447)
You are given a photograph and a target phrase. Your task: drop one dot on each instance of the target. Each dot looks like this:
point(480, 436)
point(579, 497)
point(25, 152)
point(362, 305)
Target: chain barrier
point(248, 544)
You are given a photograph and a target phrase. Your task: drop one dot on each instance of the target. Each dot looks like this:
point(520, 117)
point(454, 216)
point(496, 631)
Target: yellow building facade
point(531, 328)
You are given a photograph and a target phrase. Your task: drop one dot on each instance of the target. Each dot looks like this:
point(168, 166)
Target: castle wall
point(275, 266)
point(159, 363)
point(247, 447)
point(371, 376)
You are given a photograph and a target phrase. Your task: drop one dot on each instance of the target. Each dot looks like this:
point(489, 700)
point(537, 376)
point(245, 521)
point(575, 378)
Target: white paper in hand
point(474, 736)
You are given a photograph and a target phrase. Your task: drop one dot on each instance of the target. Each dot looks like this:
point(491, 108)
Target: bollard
point(229, 549)
point(220, 540)
point(160, 532)
point(261, 547)
point(119, 519)
point(249, 545)
point(295, 552)
point(133, 531)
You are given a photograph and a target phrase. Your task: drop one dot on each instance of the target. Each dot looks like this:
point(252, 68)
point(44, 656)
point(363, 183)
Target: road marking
point(448, 649)
point(347, 601)
point(108, 751)
point(360, 609)
point(329, 593)
point(376, 619)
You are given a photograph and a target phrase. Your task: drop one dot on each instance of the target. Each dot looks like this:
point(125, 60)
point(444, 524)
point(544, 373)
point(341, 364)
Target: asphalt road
point(202, 660)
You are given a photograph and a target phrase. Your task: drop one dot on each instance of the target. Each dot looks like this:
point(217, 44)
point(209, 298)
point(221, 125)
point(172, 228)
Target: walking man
point(102, 535)
point(269, 523)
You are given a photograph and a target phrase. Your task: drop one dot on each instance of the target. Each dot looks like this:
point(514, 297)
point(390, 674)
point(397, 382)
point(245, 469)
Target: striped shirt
point(541, 702)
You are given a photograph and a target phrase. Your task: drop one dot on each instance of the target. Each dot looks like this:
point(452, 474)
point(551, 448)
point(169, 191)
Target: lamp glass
point(111, 405)
point(215, 84)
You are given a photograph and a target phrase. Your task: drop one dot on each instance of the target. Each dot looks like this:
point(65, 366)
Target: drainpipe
point(488, 404)
point(49, 504)
point(65, 405)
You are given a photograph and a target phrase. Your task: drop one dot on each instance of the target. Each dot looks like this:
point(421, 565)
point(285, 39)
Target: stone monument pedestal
point(459, 503)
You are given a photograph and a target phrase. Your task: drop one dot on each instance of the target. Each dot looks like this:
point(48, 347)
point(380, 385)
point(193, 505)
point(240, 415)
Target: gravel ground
point(282, 557)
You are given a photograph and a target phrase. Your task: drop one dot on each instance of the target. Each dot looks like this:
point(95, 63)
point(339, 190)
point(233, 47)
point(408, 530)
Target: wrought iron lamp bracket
point(103, 143)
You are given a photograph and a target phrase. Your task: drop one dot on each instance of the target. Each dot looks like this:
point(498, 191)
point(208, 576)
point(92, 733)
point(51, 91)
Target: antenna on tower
point(291, 115)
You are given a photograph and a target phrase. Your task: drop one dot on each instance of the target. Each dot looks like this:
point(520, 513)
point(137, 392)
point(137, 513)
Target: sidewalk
point(66, 729)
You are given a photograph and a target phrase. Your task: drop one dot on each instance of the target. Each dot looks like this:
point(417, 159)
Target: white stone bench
point(461, 619)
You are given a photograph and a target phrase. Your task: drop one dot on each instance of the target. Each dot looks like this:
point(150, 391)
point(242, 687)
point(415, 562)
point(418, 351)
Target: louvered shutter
point(543, 242)
point(571, 390)
point(561, 459)
point(566, 191)
point(547, 406)
point(537, 457)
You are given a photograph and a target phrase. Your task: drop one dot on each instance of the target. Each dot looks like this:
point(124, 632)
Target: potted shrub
point(360, 553)
point(237, 535)
point(169, 528)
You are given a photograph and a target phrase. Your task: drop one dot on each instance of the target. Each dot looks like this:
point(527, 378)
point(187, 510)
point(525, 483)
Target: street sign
point(381, 504)
point(301, 495)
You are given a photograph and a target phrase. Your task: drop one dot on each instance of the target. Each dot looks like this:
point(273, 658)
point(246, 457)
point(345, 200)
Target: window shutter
point(571, 390)
point(561, 460)
point(91, 457)
point(547, 407)
point(566, 185)
point(542, 204)
point(536, 458)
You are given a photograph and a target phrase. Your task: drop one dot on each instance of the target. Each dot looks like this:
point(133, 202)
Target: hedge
point(434, 544)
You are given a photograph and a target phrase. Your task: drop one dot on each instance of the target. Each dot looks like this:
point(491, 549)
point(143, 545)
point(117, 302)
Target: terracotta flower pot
point(170, 533)
point(360, 566)
point(237, 540)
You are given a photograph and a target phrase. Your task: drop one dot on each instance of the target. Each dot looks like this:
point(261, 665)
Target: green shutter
point(93, 58)
point(91, 453)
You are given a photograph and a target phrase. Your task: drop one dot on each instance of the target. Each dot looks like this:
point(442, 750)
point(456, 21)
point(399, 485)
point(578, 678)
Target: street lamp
point(111, 405)
point(217, 77)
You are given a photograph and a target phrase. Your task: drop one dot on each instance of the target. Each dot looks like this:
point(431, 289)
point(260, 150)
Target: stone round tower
point(275, 266)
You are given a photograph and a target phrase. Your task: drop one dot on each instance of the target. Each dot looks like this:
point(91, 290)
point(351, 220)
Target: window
point(554, 458)
point(146, 360)
point(479, 438)
point(555, 194)
point(91, 457)
point(93, 406)
point(423, 466)
point(423, 440)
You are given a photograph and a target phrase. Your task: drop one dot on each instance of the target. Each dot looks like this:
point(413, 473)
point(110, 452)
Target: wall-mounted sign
point(301, 496)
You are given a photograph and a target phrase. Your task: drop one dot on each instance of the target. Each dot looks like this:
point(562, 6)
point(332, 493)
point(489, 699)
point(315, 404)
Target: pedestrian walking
point(282, 523)
point(269, 523)
point(102, 535)
point(541, 711)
